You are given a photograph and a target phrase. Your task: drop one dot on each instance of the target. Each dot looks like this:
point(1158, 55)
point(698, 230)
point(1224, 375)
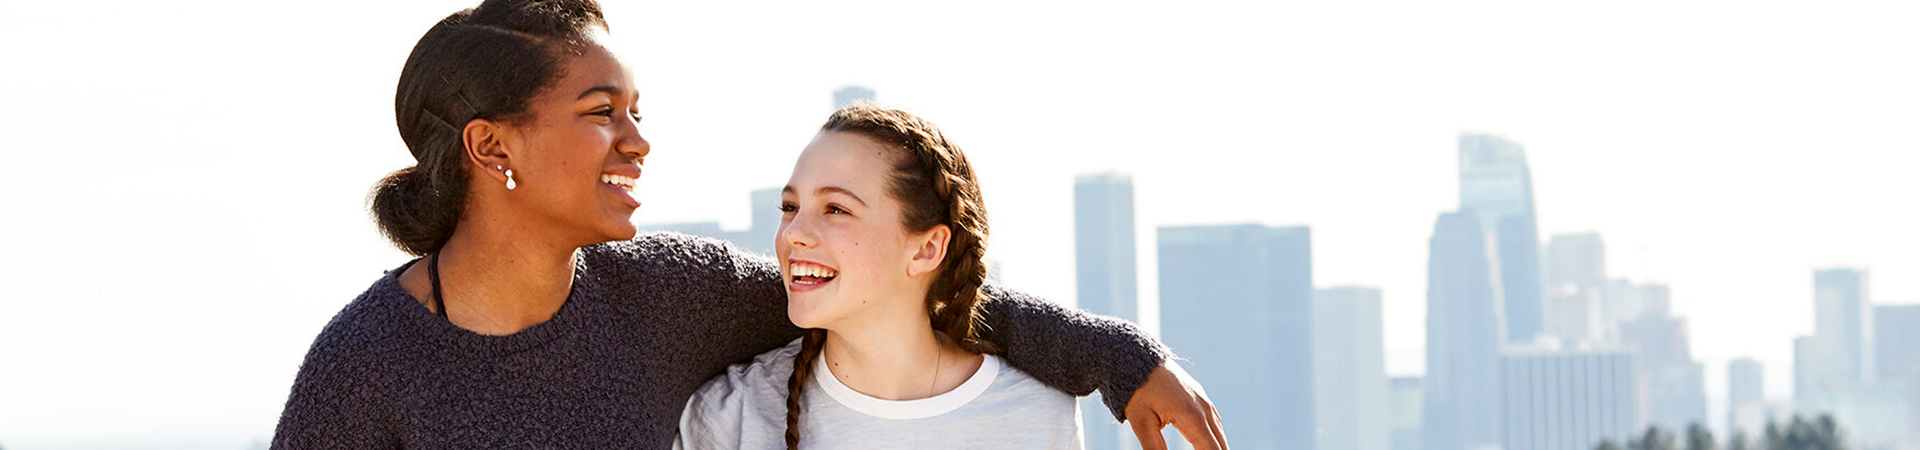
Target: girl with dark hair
point(534, 318)
point(881, 248)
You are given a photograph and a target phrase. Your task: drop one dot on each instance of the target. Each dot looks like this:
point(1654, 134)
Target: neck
point(499, 279)
point(900, 358)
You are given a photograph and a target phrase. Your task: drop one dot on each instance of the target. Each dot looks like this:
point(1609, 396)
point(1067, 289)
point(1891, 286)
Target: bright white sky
point(185, 184)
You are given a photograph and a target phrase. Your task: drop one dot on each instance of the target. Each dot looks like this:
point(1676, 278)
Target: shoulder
point(764, 379)
point(1016, 380)
point(746, 403)
point(372, 326)
point(673, 253)
point(349, 373)
point(1023, 394)
point(365, 337)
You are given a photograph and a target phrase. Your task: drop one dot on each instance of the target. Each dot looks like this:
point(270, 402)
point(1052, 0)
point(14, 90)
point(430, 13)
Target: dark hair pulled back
point(487, 62)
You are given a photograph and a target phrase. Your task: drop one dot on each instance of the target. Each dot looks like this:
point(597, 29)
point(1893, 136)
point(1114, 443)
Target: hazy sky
point(185, 183)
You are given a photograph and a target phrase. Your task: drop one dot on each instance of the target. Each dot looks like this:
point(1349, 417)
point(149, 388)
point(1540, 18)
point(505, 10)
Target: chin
point(623, 231)
point(626, 234)
point(804, 318)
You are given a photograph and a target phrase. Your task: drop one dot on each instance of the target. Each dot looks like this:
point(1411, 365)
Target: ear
point(930, 249)
point(486, 147)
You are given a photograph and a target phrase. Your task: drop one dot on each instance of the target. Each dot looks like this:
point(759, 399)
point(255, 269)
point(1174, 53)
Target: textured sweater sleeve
point(1072, 350)
point(731, 303)
point(1068, 349)
point(333, 404)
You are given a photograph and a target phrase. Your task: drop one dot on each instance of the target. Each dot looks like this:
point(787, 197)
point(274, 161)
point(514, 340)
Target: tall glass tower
point(1461, 407)
point(1105, 275)
point(1238, 303)
point(1495, 183)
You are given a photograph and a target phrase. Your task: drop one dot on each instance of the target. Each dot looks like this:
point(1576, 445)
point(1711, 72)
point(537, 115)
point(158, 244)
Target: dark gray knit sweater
point(648, 321)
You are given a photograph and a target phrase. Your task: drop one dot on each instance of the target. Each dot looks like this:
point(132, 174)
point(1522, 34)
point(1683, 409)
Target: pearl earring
point(510, 183)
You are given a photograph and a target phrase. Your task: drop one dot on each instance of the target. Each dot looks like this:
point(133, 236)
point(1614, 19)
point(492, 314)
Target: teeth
point(811, 270)
point(617, 180)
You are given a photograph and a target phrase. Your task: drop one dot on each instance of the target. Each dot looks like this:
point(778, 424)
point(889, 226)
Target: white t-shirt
point(998, 408)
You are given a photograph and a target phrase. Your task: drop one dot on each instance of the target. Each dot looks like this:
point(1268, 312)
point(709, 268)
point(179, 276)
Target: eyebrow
point(828, 190)
point(610, 90)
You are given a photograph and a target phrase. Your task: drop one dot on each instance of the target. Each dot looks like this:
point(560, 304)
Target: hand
point(1171, 396)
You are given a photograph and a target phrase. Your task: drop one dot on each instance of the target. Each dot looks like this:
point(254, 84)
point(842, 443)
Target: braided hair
point(935, 186)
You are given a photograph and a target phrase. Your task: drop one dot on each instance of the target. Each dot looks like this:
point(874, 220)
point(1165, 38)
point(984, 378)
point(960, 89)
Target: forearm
point(742, 309)
point(1072, 350)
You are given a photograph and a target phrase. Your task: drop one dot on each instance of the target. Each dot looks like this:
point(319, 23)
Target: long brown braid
point(935, 186)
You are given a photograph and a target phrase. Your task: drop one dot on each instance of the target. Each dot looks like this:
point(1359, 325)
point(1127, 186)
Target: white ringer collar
point(907, 409)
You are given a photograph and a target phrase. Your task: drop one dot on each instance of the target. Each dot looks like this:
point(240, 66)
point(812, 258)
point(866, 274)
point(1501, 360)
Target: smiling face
point(577, 153)
point(842, 247)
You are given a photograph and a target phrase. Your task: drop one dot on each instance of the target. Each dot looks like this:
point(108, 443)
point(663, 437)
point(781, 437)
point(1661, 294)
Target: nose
point(630, 143)
point(796, 232)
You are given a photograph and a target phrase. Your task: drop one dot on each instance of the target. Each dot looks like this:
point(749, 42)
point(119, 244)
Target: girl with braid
point(535, 315)
point(880, 247)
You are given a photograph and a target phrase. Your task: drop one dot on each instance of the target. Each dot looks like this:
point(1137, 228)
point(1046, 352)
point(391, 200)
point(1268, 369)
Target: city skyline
point(1665, 385)
point(1723, 149)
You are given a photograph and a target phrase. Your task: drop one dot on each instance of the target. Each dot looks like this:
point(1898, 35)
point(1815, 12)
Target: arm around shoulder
point(1072, 350)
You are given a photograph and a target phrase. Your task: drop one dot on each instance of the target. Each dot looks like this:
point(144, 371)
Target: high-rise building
point(766, 220)
point(1464, 334)
point(1105, 277)
point(1574, 293)
point(1896, 335)
point(1575, 314)
point(1103, 237)
point(1237, 301)
point(1842, 313)
point(1349, 370)
point(1745, 387)
point(1578, 259)
point(1834, 368)
point(1496, 184)
point(849, 95)
point(1672, 384)
point(1403, 394)
point(1623, 301)
point(1567, 399)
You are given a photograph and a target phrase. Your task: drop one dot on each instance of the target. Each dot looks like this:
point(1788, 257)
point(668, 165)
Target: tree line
point(1820, 433)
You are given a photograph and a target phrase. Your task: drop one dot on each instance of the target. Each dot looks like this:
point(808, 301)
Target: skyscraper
point(1105, 277)
point(1896, 335)
point(1576, 279)
point(1672, 383)
point(1834, 368)
point(1237, 303)
point(1349, 370)
point(766, 220)
point(1567, 399)
point(1464, 335)
point(1745, 388)
point(849, 95)
point(1842, 313)
point(1496, 184)
point(1404, 394)
point(1578, 259)
point(1103, 245)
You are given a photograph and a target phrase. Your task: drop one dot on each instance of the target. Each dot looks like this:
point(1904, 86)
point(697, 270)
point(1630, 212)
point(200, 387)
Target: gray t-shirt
point(999, 407)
